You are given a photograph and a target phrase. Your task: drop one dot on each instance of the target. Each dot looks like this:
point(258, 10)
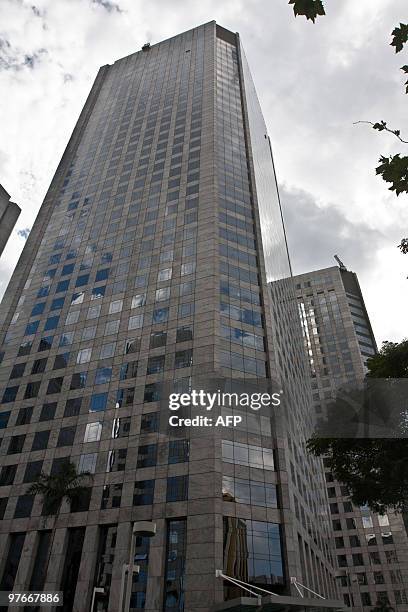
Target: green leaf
point(400, 37)
point(403, 246)
point(309, 8)
point(405, 69)
point(394, 170)
point(380, 126)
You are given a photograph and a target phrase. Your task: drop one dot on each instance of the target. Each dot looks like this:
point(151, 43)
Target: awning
point(280, 604)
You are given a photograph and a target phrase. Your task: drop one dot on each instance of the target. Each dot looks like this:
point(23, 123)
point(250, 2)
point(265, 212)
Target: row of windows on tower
point(177, 490)
point(148, 455)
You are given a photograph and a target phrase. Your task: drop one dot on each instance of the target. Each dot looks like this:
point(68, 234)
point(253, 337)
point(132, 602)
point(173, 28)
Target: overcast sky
point(313, 82)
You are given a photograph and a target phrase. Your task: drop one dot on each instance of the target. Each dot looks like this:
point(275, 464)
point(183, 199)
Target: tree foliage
point(375, 471)
point(309, 8)
point(67, 484)
point(382, 605)
point(390, 362)
point(399, 37)
point(394, 170)
point(403, 246)
point(405, 69)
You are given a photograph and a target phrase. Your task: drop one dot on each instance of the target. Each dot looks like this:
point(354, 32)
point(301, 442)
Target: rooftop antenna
point(341, 264)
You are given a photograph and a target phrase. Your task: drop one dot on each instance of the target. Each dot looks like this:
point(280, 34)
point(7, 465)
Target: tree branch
point(381, 127)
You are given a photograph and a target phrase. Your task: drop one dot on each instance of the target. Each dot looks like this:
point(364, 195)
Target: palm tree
point(67, 485)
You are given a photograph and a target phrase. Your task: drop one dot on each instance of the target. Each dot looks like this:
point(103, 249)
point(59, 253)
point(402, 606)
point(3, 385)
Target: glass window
point(48, 411)
point(73, 407)
point(162, 294)
point(155, 364)
point(184, 333)
point(32, 389)
point(112, 327)
point(93, 312)
point(152, 393)
point(62, 286)
point(160, 315)
point(82, 280)
point(102, 275)
point(115, 306)
point(72, 317)
point(147, 455)
point(178, 451)
point(138, 300)
point(66, 436)
point(24, 415)
point(383, 521)
point(55, 385)
point(177, 488)
point(78, 380)
point(39, 366)
point(107, 350)
point(98, 402)
point(87, 463)
point(66, 338)
point(183, 359)
point(38, 309)
point(93, 432)
point(164, 274)
point(16, 444)
point(7, 475)
point(4, 418)
point(57, 304)
point(84, 355)
point(24, 506)
point(367, 522)
point(31, 328)
point(77, 298)
point(186, 310)
point(128, 370)
point(40, 440)
point(61, 361)
point(25, 348)
point(10, 394)
point(97, 293)
point(135, 322)
point(103, 375)
point(158, 339)
point(143, 493)
point(132, 345)
point(149, 423)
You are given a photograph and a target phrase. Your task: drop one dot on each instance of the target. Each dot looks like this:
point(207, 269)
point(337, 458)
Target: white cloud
point(313, 82)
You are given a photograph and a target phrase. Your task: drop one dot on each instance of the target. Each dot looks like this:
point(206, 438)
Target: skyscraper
point(148, 264)
point(372, 550)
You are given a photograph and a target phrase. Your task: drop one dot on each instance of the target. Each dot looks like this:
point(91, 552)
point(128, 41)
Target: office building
point(148, 264)
point(372, 550)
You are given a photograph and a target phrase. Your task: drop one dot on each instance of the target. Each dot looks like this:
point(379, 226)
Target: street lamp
point(96, 590)
point(139, 528)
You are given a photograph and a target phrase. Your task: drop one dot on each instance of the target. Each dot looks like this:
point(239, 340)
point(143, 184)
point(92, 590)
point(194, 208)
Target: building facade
point(9, 213)
point(147, 266)
point(371, 550)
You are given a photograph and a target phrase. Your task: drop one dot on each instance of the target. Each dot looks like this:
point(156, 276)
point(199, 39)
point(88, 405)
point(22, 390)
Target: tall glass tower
point(371, 549)
point(147, 266)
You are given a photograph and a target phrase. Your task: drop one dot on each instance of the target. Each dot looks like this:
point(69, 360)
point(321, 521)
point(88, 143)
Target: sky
point(313, 81)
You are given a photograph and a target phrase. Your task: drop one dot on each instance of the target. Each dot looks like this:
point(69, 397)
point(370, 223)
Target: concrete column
point(84, 589)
